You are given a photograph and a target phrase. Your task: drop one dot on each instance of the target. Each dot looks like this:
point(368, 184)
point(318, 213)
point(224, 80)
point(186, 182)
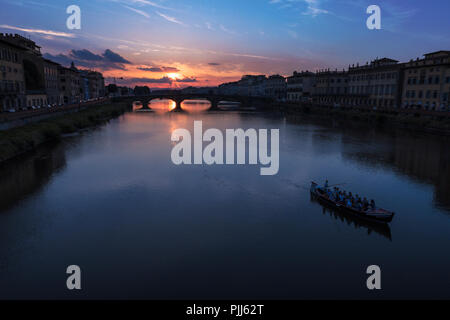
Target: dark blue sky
point(213, 41)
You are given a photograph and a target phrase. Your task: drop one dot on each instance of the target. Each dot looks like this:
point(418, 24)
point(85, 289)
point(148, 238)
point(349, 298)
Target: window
point(437, 80)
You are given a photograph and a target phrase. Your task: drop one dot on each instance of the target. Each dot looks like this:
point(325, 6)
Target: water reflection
point(425, 158)
point(229, 105)
point(26, 175)
point(162, 105)
point(118, 201)
point(190, 105)
point(381, 229)
point(194, 106)
point(137, 105)
point(422, 157)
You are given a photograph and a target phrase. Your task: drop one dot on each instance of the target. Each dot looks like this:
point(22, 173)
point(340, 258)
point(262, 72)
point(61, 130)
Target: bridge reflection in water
point(191, 106)
point(156, 105)
point(179, 102)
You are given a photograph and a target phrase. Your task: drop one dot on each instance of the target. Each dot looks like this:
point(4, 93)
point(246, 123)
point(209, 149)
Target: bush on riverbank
point(19, 140)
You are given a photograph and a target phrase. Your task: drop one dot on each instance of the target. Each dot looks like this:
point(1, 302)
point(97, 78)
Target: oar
point(339, 184)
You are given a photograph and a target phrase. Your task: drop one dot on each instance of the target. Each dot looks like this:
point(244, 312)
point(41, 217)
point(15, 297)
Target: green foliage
point(22, 139)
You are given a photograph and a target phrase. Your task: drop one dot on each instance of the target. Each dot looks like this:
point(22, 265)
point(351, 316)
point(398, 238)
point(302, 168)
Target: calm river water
point(110, 201)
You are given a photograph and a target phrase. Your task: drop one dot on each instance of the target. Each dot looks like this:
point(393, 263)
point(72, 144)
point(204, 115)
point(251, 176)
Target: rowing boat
point(376, 215)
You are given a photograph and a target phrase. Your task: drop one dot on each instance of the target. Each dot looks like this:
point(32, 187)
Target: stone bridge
point(214, 99)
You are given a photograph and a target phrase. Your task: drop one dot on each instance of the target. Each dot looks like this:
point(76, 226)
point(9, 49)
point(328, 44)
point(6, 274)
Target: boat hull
point(378, 215)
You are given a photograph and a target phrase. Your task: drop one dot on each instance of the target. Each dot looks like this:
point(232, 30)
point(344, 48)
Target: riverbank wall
point(18, 140)
point(437, 122)
point(21, 118)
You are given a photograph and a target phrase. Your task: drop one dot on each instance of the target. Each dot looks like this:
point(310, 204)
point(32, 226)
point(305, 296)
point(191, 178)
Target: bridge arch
point(195, 104)
point(154, 100)
point(214, 99)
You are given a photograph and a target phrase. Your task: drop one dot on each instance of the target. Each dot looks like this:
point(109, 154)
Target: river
point(111, 201)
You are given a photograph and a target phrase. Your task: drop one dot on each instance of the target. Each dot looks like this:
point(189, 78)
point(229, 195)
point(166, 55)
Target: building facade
point(36, 98)
point(92, 84)
point(253, 86)
point(377, 84)
point(12, 76)
point(27, 79)
point(300, 86)
point(331, 88)
point(230, 88)
point(249, 85)
point(70, 84)
point(426, 83)
point(275, 87)
point(33, 67)
point(51, 76)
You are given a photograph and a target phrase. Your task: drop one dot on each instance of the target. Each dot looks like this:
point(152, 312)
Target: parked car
point(12, 110)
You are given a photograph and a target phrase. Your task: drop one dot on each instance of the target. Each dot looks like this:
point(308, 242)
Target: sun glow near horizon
point(174, 76)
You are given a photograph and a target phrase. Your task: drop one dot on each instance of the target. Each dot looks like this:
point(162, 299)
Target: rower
point(349, 203)
point(359, 206)
point(325, 186)
point(372, 204)
point(365, 203)
point(329, 194)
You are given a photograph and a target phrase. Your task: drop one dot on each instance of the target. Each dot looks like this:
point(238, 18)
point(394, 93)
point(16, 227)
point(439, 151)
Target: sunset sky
point(177, 43)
